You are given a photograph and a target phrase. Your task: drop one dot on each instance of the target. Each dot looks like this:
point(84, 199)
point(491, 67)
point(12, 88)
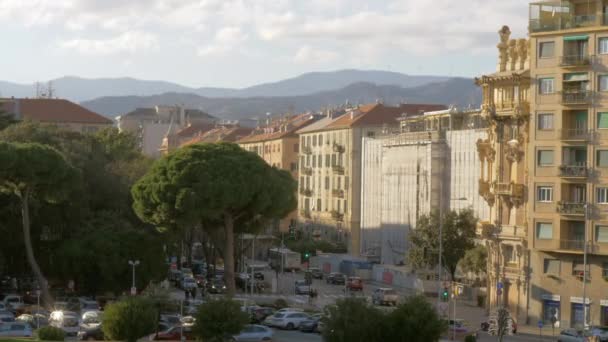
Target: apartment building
point(430, 163)
point(568, 164)
point(330, 168)
point(277, 143)
point(504, 175)
point(221, 133)
point(59, 112)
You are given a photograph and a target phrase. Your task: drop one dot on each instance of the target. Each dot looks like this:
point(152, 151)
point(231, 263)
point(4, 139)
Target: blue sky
point(237, 43)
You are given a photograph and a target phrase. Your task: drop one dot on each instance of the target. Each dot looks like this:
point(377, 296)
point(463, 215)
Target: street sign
point(499, 285)
point(37, 292)
point(540, 324)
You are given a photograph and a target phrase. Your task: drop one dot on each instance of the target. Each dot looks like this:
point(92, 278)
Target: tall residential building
point(568, 164)
point(330, 168)
point(59, 112)
point(277, 143)
point(432, 163)
point(504, 175)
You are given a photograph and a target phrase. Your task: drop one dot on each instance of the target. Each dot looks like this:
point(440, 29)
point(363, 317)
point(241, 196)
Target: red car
point(355, 284)
point(174, 334)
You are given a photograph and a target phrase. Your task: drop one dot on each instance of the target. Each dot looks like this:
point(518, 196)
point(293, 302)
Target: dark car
point(336, 279)
point(174, 334)
point(216, 286)
point(311, 324)
point(355, 284)
point(90, 332)
point(316, 273)
point(259, 314)
point(258, 276)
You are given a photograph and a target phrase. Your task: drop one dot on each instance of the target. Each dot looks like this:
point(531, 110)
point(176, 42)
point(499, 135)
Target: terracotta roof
point(195, 128)
point(227, 134)
point(378, 114)
point(280, 128)
point(52, 110)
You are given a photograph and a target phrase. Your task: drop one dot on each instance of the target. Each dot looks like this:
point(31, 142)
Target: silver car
point(15, 329)
point(254, 333)
point(572, 335)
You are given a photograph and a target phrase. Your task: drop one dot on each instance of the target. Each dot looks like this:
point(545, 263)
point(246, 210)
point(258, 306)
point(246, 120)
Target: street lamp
point(133, 265)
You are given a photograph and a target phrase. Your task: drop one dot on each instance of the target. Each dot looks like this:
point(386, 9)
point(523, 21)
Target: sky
point(238, 43)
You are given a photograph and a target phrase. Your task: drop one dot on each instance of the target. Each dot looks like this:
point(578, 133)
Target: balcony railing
point(307, 171)
point(338, 148)
point(576, 97)
point(306, 192)
point(305, 213)
point(509, 189)
point(572, 245)
point(571, 208)
point(337, 193)
point(336, 215)
point(580, 134)
point(573, 171)
point(338, 169)
point(585, 20)
point(575, 61)
point(306, 150)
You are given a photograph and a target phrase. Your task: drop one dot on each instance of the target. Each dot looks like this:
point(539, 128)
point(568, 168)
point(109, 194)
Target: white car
point(254, 333)
point(301, 287)
point(288, 320)
point(15, 329)
point(385, 296)
point(88, 305)
point(66, 320)
point(283, 310)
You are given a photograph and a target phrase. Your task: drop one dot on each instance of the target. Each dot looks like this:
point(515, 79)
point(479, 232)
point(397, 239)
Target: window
point(371, 134)
point(509, 255)
point(320, 140)
point(314, 140)
point(605, 270)
point(326, 183)
point(544, 231)
point(602, 158)
point(545, 86)
point(546, 49)
point(602, 45)
point(602, 120)
point(552, 266)
point(545, 158)
point(578, 268)
point(333, 160)
point(319, 207)
point(293, 166)
point(314, 161)
point(544, 194)
point(327, 158)
point(296, 148)
point(545, 121)
point(345, 207)
point(601, 195)
point(601, 234)
point(602, 81)
point(346, 183)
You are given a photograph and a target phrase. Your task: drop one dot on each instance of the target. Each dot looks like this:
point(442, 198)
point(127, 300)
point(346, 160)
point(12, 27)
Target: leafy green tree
point(475, 260)
point(415, 320)
point(353, 320)
point(458, 238)
point(30, 171)
point(217, 319)
point(214, 185)
point(6, 120)
point(129, 319)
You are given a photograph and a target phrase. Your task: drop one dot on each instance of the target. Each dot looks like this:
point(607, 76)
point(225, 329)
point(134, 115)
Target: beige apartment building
point(330, 169)
point(277, 143)
point(503, 177)
point(568, 164)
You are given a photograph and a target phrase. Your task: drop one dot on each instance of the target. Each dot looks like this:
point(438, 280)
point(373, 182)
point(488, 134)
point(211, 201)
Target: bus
point(285, 259)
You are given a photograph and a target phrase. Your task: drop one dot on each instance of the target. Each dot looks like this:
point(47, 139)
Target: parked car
point(170, 319)
point(601, 332)
point(65, 320)
point(573, 335)
point(258, 275)
point(288, 320)
point(90, 332)
point(259, 314)
point(217, 286)
point(173, 334)
point(200, 280)
point(254, 333)
point(188, 283)
point(384, 296)
point(88, 305)
point(187, 273)
point(35, 320)
point(7, 317)
point(311, 324)
point(284, 310)
point(316, 272)
point(187, 321)
point(15, 329)
point(335, 278)
point(354, 284)
point(13, 302)
point(301, 287)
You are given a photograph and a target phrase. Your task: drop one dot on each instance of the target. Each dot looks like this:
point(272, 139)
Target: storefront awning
point(579, 37)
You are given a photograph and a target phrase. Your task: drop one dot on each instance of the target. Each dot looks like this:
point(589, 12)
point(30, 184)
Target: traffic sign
point(499, 285)
point(540, 324)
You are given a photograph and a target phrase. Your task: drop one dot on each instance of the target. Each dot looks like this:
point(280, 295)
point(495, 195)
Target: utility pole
point(133, 265)
point(252, 262)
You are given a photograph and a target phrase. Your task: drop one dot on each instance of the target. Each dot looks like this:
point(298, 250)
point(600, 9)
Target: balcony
point(338, 169)
point(484, 187)
point(305, 213)
point(576, 134)
point(511, 108)
point(573, 171)
point(306, 150)
point(571, 98)
point(509, 189)
point(336, 215)
point(571, 208)
point(572, 245)
point(337, 193)
point(306, 192)
point(338, 148)
point(307, 171)
point(575, 61)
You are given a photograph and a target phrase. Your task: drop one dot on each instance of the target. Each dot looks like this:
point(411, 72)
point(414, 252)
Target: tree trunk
point(229, 255)
point(29, 250)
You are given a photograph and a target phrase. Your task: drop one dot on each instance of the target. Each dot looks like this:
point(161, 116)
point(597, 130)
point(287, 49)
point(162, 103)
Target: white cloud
point(226, 39)
point(309, 55)
point(130, 42)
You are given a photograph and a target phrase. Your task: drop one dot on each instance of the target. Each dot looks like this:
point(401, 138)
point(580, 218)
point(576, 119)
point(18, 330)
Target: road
point(295, 336)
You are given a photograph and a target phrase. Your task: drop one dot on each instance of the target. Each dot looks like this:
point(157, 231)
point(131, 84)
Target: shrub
point(219, 318)
point(470, 338)
point(415, 320)
point(50, 334)
point(353, 320)
point(129, 319)
point(280, 303)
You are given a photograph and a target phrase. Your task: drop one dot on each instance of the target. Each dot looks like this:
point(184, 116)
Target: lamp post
point(38, 309)
point(133, 265)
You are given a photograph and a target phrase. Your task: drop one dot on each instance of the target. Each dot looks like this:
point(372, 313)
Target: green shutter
point(602, 120)
point(580, 37)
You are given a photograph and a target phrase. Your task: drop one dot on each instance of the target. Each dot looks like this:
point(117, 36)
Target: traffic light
point(306, 256)
point(445, 295)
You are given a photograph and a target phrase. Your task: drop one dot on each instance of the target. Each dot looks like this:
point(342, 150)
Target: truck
point(284, 259)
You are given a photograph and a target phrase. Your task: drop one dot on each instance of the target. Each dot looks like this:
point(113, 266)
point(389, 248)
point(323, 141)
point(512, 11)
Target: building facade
point(330, 169)
point(430, 164)
point(504, 175)
point(568, 164)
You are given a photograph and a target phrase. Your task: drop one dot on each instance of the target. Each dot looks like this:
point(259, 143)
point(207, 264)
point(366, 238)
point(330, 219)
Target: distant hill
point(456, 91)
point(82, 89)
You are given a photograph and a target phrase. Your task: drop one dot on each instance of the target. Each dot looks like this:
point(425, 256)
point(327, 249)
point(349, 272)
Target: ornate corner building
point(503, 178)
